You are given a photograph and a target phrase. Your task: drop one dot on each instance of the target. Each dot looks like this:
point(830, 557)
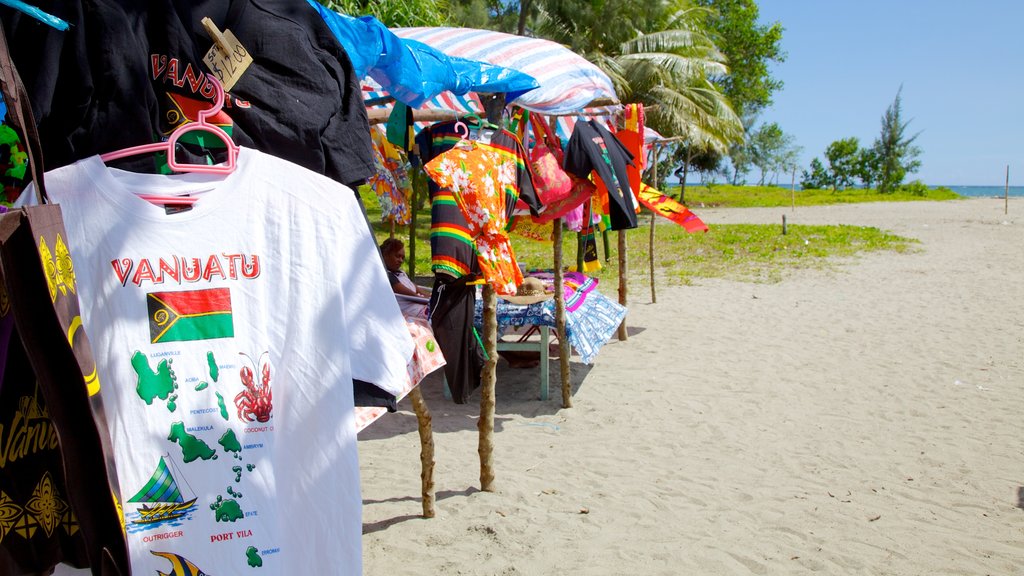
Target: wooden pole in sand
point(485, 425)
point(426, 429)
point(654, 174)
point(622, 282)
point(792, 191)
point(563, 343)
point(1006, 192)
point(418, 179)
point(494, 104)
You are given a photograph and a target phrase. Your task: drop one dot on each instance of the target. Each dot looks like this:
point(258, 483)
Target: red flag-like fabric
point(671, 209)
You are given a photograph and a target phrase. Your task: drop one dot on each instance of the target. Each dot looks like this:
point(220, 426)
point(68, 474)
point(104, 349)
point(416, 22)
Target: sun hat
point(530, 291)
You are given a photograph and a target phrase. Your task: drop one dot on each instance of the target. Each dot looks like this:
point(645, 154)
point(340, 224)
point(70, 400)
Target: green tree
point(843, 156)
point(816, 178)
point(657, 54)
point(395, 13)
point(771, 150)
point(868, 166)
point(749, 48)
point(896, 152)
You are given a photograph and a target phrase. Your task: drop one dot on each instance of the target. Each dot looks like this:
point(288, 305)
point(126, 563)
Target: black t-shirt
point(593, 148)
point(128, 71)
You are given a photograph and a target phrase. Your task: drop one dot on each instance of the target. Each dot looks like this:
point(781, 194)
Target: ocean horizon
point(984, 191)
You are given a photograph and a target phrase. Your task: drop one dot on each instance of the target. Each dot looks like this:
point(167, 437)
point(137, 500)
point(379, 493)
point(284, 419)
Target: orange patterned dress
point(483, 181)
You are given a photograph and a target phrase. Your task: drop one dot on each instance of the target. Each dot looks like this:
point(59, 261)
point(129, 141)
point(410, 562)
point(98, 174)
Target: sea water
point(985, 191)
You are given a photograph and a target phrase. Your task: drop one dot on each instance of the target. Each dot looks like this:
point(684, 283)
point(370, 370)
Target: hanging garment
point(483, 184)
point(128, 73)
point(227, 337)
point(593, 148)
point(391, 180)
point(451, 317)
point(669, 208)
point(451, 245)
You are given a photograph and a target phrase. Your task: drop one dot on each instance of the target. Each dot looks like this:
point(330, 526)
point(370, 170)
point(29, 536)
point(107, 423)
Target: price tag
point(227, 59)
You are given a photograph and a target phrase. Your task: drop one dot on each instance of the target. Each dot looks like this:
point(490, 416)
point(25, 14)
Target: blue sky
point(961, 65)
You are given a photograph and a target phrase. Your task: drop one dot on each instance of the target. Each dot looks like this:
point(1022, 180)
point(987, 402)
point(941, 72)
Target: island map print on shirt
point(233, 418)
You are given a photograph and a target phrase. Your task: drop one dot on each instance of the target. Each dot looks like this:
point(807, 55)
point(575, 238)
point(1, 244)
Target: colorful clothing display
point(128, 73)
point(671, 209)
point(227, 337)
point(592, 148)
point(587, 328)
point(391, 180)
point(451, 317)
point(483, 183)
point(451, 245)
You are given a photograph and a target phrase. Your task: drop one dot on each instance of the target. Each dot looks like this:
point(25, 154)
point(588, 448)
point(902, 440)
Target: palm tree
point(656, 53)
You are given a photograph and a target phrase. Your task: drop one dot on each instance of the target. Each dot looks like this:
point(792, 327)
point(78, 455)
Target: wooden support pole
point(1006, 192)
point(485, 425)
point(654, 175)
point(419, 180)
point(622, 281)
point(426, 429)
point(792, 190)
point(563, 343)
point(494, 104)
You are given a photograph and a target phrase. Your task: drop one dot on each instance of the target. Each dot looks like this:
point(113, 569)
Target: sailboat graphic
point(161, 498)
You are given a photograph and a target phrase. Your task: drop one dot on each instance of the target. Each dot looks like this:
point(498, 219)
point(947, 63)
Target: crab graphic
point(255, 401)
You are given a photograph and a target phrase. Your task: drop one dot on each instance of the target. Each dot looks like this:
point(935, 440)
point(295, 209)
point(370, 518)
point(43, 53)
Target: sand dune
point(862, 420)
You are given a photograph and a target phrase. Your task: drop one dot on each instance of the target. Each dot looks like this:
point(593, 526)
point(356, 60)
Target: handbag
point(550, 181)
point(580, 191)
point(58, 492)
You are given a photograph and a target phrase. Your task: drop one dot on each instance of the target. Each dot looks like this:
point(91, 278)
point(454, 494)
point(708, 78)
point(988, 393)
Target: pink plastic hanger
point(169, 146)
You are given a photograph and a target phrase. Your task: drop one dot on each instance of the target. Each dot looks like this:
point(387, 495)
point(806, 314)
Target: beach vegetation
point(742, 252)
point(772, 151)
point(897, 154)
point(842, 156)
point(396, 13)
point(750, 47)
point(745, 252)
point(727, 195)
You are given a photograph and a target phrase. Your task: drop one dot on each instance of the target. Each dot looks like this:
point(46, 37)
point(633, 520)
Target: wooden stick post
point(426, 429)
point(654, 174)
point(1006, 192)
point(563, 343)
point(792, 191)
point(485, 425)
point(622, 282)
point(494, 104)
point(419, 180)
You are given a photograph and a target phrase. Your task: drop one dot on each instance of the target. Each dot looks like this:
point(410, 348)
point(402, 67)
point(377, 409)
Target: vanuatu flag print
point(190, 315)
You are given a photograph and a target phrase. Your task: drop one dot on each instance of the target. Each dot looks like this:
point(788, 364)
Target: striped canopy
point(568, 82)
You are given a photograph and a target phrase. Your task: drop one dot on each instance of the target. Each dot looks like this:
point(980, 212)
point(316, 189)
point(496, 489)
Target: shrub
point(916, 187)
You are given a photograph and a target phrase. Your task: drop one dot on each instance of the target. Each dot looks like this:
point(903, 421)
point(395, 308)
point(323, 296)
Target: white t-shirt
point(226, 339)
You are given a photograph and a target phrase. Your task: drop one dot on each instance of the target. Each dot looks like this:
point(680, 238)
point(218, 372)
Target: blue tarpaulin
point(413, 72)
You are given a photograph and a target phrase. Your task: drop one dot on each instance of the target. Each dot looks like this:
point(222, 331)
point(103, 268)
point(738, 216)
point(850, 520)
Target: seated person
point(393, 252)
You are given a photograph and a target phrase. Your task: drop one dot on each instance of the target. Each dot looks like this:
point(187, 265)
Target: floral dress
point(483, 181)
point(391, 180)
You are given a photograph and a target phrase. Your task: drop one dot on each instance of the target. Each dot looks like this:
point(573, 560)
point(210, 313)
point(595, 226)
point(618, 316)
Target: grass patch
point(724, 195)
point(743, 252)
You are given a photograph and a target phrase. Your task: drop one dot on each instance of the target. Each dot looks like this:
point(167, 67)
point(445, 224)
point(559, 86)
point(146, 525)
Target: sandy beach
point(867, 419)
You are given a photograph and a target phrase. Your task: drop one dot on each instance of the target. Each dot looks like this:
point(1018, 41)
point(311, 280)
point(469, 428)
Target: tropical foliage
point(886, 162)
point(897, 155)
point(396, 13)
